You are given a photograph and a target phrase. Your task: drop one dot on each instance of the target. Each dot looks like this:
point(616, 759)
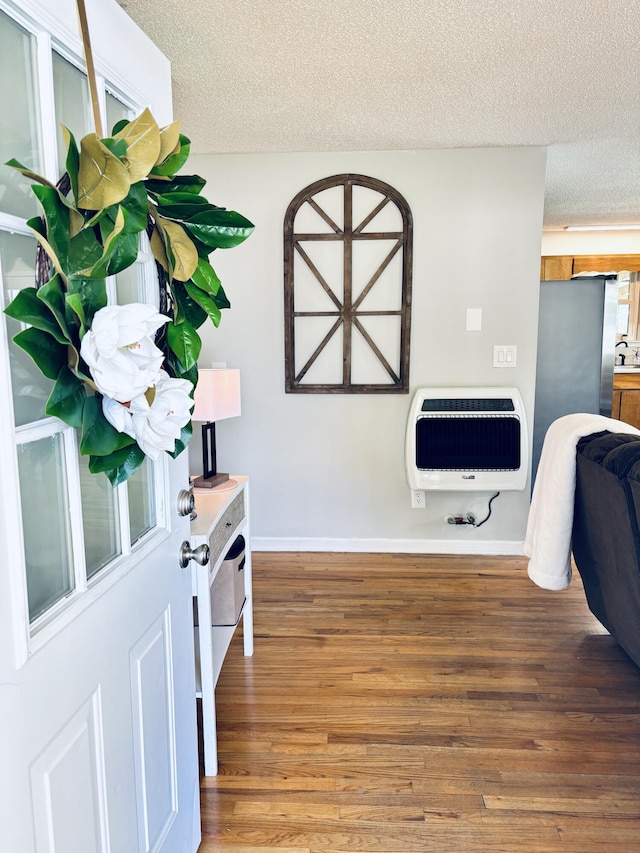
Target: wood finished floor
point(407, 704)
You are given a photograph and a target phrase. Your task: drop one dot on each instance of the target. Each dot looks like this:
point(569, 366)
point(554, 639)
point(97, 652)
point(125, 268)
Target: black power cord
point(469, 518)
point(491, 500)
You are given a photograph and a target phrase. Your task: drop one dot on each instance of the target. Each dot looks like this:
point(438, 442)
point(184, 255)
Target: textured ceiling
point(325, 75)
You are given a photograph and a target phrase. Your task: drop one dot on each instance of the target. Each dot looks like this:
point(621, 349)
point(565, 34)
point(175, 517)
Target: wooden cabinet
point(556, 268)
point(626, 398)
point(562, 267)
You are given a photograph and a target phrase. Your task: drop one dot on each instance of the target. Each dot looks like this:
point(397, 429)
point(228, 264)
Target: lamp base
point(209, 482)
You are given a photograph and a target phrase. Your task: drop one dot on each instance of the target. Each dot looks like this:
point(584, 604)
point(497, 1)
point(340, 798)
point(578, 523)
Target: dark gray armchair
point(606, 533)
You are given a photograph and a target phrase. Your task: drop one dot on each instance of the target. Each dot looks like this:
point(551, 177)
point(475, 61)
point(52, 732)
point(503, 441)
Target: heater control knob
point(201, 554)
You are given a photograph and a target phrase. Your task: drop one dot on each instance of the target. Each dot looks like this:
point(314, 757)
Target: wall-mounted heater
point(467, 439)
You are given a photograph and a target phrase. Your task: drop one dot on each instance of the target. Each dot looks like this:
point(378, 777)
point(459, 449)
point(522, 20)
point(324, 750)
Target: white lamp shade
point(217, 395)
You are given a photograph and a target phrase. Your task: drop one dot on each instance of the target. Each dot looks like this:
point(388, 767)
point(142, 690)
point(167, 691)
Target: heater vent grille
point(463, 404)
point(468, 443)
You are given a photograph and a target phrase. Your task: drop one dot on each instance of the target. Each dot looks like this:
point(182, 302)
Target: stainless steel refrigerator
point(576, 349)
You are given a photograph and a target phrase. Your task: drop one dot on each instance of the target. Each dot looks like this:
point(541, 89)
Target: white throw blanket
point(548, 539)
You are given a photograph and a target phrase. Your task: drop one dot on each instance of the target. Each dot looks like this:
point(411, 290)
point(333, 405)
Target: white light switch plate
point(504, 356)
point(474, 319)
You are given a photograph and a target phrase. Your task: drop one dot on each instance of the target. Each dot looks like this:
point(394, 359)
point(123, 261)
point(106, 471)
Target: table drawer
point(231, 518)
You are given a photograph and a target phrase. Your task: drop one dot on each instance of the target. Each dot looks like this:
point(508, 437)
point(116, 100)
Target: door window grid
point(84, 574)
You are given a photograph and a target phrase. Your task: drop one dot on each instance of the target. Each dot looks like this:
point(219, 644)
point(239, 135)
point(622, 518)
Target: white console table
point(221, 517)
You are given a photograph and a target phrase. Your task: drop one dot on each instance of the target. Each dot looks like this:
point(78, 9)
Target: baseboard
point(389, 546)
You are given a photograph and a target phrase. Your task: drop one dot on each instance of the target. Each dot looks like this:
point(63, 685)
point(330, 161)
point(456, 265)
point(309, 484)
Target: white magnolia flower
point(119, 352)
point(156, 426)
point(118, 415)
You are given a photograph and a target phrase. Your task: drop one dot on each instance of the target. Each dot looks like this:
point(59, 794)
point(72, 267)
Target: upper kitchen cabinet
point(562, 267)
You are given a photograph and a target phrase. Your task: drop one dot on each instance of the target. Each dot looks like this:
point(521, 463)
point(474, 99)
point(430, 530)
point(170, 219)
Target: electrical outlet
point(418, 500)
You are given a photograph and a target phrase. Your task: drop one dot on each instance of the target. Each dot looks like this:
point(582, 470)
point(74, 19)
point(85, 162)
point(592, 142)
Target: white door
point(98, 745)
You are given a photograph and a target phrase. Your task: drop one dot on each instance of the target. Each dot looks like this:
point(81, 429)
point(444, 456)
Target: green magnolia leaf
point(27, 308)
point(74, 302)
point(37, 226)
point(85, 297)
point(110, 236)
point(50, 356)
point(174, 162)
point(52, 294)
point(24, 170)
point(118, 466)
point(179, 198)
point(124, 254)
point(136, 208)
point(175, 368)
point(99, 438)
point(180, 212)
point(85, 250)
point(103, 179)
point(118, 147)
point(187, 309)
point(118, 126)
point(56, 219)
point(205, 277)
point(202, 250)
point(204, 301)
point(90, 220)
point(67, 399)
point(79, 368)
point(192, 184)
point(185, 254)
point(221, 299)
point(180, 206)
point(142, 137)
point(185, 342)
point(220, 229)
point(73, 159)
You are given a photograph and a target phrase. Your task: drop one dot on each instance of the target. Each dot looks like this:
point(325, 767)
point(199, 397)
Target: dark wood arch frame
point(347, 311)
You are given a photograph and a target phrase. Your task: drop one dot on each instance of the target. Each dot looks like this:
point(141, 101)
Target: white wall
point(327, 470)
point(591, 243)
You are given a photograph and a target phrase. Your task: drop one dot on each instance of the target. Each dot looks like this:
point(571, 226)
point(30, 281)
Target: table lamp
point(217, 396)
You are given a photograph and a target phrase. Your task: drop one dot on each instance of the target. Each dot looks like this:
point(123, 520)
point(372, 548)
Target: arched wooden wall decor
point(347, 286)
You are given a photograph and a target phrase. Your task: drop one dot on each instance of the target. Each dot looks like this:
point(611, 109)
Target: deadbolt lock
point(186, 502)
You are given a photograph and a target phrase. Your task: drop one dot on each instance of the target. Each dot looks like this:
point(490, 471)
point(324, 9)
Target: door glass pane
point(127, 285)
point(19, 130)
point(45, 522)
point(142, 504)
point(29, 387)
point(100, 519)
point(116, 111)
point(72, 104)
point(130, 282)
